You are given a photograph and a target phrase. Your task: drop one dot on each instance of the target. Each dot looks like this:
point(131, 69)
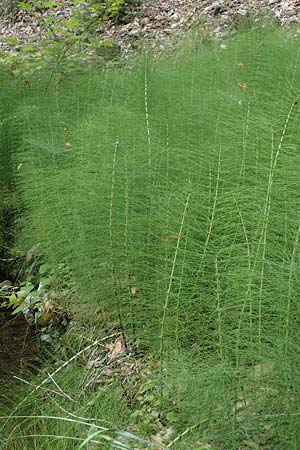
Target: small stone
point(145, 21)
point(242, 12)
point(290, 13)
point(215, 5)
point(134, 32)
point(46, 338)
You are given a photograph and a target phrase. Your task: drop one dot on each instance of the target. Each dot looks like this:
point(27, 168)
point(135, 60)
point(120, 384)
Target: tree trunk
point(7, 9)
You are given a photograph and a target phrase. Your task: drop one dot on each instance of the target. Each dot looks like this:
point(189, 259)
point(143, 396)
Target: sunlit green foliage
point(171, 190)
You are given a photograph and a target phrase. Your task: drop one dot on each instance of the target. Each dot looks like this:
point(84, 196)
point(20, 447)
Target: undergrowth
point(71, 402)
point(171, 190)
point(8, 205)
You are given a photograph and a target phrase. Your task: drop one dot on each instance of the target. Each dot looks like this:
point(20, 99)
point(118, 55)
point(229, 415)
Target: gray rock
point(290, 13)
point(214, 7)
point(293, 19)
point(134, 32)
point(242, 12)
point(145, 21)
point(46, 338)
point(217, 4)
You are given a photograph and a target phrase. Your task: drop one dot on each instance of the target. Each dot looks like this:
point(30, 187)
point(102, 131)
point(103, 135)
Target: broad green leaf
point(49, 4)
point(45, 281)
point(172, 417)
point(12, 41)
point(18, 309)
point(96, 7)
point(27, 288)
point(28, 48)
point(13, 300)
point(21, 295)
point(108, 44)
point(71, 23)
point(25, 6)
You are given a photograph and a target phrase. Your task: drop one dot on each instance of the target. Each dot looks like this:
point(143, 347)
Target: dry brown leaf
point(47, 307)
point(168, 236)
point(242, 85)
point(23, 363)
point(107, 372)
point(127, 368)
point(133, 291)
point(252, 445)
point(116, 349)
point(242, 404)
point(203, 444)
point(163, 436)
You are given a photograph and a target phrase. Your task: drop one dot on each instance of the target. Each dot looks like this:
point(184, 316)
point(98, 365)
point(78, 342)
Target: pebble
point(215, 5)
point(46, 338)
point(145, 21)
point(134, 32)
point(242, 12)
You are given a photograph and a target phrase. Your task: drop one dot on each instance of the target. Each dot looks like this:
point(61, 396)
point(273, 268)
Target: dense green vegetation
point(170, 190)
point(7, 204)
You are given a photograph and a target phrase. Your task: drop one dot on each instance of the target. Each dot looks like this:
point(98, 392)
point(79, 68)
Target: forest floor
point(156, 22)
